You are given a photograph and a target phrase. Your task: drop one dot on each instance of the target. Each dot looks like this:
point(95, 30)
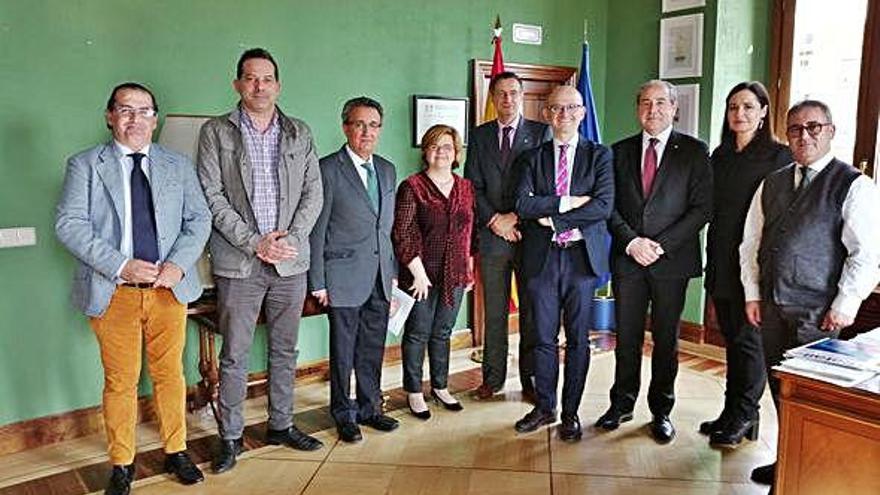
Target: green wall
point(60, 58)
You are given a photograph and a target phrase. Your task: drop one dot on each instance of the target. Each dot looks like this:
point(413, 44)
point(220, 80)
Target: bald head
point(564, 111)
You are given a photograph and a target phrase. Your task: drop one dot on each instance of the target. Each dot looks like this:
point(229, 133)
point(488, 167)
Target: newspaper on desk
point(401, 305)
point(853, 363)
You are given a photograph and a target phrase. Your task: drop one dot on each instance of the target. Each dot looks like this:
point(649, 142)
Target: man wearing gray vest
point(811, 247)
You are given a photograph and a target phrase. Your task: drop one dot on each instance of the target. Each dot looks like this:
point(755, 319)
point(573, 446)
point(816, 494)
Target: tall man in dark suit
point(811, 247)
point(491, 154)
point(664, 197)
point(260, 175)
point(564, 198)
point(353, 268)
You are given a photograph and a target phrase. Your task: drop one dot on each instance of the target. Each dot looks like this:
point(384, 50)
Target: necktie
point(806, 174)
point(372, 185)
point(562, 187)
point(143, 216)
point(649, 172)
point(505, 145)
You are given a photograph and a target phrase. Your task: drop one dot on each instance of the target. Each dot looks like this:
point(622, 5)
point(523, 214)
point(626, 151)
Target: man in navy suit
point(564, 200)
point(490, 163)
point(664, 197)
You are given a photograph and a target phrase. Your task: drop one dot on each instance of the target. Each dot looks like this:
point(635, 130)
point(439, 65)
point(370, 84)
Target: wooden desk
point(829, 439)
point(204, 313)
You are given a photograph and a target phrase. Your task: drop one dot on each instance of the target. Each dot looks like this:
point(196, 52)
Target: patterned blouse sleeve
point(406, 235)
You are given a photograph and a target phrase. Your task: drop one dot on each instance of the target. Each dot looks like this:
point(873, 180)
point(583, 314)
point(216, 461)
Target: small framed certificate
point(432, 110)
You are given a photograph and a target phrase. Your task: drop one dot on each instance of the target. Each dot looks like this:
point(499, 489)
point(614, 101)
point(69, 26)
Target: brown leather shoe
point(484, 392)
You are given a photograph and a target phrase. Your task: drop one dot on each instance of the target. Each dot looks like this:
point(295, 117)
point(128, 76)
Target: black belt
point(138, 285)
point(569, 244)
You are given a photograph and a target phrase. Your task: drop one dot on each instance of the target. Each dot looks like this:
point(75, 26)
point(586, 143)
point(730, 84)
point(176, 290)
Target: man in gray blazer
point(353, 268)
point(260, 174)
point(490, 166)
point(132, 214)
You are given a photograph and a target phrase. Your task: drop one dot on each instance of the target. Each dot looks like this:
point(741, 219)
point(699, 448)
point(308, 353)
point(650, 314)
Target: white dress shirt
point(565, 200)
point(358, 162)
point(662, 138)
point(860, 236)
point(125, 166)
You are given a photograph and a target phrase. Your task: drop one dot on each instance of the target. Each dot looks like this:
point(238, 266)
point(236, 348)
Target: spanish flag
point(497, 68)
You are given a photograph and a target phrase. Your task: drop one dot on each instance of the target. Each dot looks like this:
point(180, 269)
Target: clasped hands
point(504, 226)
point(273, 248)
point(165, 274)
point(645, 251)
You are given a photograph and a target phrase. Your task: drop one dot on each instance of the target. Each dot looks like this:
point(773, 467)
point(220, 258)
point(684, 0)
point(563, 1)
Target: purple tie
point(562, 187)
point(505, 145)
point(650, 170)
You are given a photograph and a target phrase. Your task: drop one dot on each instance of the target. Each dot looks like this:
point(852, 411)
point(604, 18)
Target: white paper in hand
point(401, 305)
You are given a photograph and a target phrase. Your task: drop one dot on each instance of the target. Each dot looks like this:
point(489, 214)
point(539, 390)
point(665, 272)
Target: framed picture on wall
point(432, 110)
point(681, 46)
point(674, 5)
point(687, 118)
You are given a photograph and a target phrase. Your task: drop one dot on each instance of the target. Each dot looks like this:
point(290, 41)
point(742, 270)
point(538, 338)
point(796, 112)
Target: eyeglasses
point(813, 128)
point(570, 108)
point(126, 111)
point(361, 126)
point(446, 148)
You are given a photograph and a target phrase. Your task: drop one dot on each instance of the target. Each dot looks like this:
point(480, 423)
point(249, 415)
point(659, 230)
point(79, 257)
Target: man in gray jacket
point(260, 175)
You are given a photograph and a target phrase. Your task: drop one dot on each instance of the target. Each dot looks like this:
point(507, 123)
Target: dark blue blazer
point(592, 175)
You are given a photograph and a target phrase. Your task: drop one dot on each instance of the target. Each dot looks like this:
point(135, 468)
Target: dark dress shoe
point(449, 406)
point(570, 430)
point(535, 419)
point(381, 422)
point(423, 415)
point(120, 480)
point(293, 438)
point(662, 429)
point(484, 392)
point(180, 465)
point(765, 475)
point(612, 418)
point(225, 458)
point(733, 433)
point(717, 424)
point(349, 432)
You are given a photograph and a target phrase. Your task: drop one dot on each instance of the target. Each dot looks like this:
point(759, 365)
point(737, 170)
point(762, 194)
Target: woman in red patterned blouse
point(433, 241)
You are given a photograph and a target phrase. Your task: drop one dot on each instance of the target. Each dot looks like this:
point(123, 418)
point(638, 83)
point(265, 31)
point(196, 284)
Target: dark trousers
point(495, 272)
point(238, 305)
point(786, 327)
point(564, 285)
point(357, 342)
point(633, 293)
point(429, 325)
point(745, 359)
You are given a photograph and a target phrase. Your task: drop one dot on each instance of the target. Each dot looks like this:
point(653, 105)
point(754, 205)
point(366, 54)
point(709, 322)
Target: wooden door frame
point(868, 108)
point(481, 73)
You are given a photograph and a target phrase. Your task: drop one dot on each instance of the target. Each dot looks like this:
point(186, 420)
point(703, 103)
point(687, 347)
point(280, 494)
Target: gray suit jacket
point(495, 185)
point(227, 179)
point(351, 243)
point(89, 219)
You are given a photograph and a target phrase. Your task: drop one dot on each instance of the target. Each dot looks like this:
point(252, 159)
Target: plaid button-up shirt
point(262, 153)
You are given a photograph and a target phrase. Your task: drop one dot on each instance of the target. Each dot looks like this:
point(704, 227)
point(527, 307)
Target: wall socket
point(17, 237)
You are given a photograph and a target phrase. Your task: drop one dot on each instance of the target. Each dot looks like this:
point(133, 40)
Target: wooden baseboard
point(691, 332)
point(47, 430)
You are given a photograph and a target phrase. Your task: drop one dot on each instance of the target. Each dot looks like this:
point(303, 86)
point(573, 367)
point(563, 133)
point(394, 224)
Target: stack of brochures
point(842, 362)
